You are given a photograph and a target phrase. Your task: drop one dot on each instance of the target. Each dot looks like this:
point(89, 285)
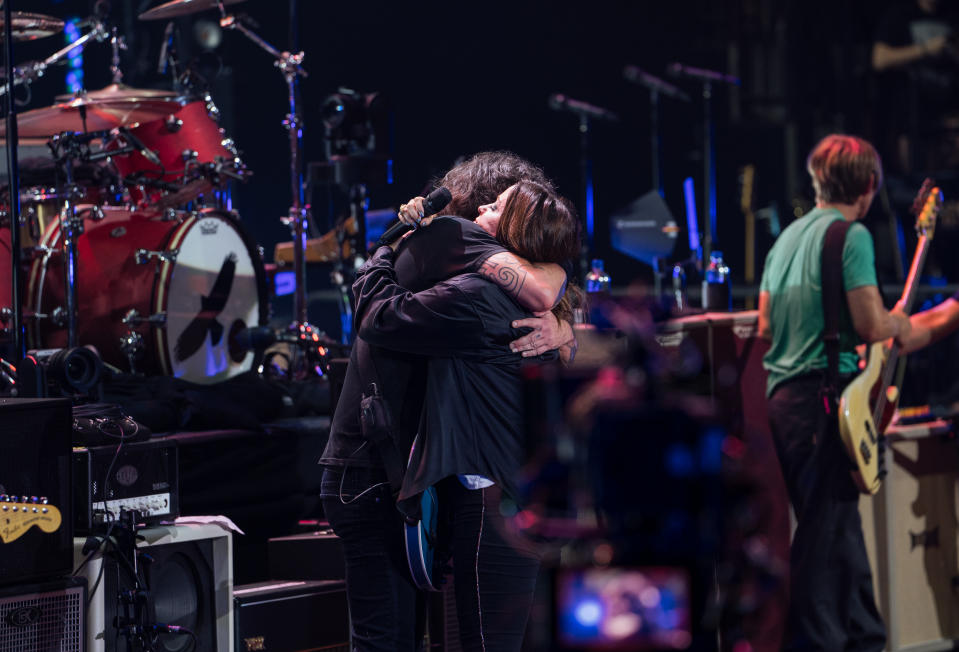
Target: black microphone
point(653, 83)
point(164, 49)
point(560, 102)
point(147, 153)
point(434, 203)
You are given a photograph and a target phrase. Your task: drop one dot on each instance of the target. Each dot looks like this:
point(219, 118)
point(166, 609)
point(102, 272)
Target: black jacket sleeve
point(440, 321)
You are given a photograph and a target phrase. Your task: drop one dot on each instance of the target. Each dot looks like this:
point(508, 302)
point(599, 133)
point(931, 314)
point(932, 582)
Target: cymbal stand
point(117, 43)
point(35, 69)
point(71, 227)
point(13, 185)
point(297, 218)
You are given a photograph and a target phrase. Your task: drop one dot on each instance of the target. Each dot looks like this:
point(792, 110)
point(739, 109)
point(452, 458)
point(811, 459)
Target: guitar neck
point(912, 281)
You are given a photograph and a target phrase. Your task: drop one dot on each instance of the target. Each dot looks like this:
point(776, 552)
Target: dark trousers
point(832, 607)
point(494, 571)
point(387, 611)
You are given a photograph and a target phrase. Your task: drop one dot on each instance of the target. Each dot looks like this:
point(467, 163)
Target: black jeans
point(387, 611)
point(832, 607)
point(494, 571)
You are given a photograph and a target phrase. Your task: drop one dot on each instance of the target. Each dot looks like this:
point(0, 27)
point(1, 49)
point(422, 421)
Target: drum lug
point(189, 155)
point(212, 110)
point(58, 317)
point(173, 124)
point(143, 256)
point(133, 319)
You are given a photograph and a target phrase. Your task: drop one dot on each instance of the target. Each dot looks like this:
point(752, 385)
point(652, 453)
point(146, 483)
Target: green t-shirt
point(793, 279)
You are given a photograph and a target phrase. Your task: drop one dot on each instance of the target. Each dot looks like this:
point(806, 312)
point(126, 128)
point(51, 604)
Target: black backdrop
point(464, 77)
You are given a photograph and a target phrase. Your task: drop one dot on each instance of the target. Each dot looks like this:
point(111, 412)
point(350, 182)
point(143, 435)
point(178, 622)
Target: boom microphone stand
point(707, 77)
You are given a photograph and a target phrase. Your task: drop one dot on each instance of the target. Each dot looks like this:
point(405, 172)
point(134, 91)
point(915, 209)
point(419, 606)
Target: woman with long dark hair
point(470, 440)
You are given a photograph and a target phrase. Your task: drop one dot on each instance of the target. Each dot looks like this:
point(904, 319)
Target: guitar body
point(420, 538)
point(860, 434)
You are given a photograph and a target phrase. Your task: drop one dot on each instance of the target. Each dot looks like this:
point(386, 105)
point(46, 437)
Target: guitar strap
point(832, 285)
point(377, 422)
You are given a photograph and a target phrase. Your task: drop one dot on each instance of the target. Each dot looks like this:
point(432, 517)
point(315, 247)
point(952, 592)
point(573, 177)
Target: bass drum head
point(215, 288)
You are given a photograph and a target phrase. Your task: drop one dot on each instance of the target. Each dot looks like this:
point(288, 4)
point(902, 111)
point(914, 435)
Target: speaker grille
point(35, 622)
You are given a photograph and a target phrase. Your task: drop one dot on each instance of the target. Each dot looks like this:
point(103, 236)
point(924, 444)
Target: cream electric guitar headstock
point(19, 514)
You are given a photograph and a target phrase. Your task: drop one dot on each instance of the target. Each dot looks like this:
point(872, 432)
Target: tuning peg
point(33, 499)
point(43, 500)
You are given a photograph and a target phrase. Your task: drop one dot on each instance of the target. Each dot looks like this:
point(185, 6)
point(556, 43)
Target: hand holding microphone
point(417, 212)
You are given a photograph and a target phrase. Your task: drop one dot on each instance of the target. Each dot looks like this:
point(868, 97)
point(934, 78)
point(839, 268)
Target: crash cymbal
point(100, 114)
point(176, 8)
point(50, 120)
point(117, 92)
point(29, 27)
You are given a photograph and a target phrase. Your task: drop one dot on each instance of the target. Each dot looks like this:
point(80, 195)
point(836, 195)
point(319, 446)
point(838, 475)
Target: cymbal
point(50, 120)
point(29, 27)
point(176, 8)
point(117, 93)
point(47, 121)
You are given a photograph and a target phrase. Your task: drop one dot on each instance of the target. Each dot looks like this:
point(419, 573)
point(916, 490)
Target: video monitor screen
point(623, 608)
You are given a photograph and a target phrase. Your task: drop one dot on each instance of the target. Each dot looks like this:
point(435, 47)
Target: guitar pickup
point(865, 452)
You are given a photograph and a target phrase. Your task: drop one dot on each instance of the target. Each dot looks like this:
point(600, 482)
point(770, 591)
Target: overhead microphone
point(434, 203)
point(560, 102)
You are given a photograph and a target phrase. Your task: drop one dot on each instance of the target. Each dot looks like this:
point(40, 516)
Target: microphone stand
point(13, 189)
point(586, 176)
point(707, 77)
point(297, 218)
point(657, 87)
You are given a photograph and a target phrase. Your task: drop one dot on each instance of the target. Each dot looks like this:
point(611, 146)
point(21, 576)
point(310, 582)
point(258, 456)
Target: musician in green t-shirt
point(832, 606)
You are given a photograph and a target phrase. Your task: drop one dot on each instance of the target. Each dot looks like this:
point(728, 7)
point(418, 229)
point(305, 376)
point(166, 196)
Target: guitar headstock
point(926, 208)
point(19, 514)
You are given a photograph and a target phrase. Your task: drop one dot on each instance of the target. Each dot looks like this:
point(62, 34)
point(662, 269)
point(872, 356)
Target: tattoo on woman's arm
point(510, 276)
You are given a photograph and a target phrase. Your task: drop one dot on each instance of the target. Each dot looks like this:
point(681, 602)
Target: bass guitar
point(869, 401)
point(17, 515)
point(420, 538)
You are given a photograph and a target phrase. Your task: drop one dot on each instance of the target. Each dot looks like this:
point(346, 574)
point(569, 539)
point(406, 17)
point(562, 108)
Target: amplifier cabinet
point(188, 571)
point(43, 617)
point(912, 539)
point(35, 439)
point(141, 476)
point(308, 556)
point(291, 615)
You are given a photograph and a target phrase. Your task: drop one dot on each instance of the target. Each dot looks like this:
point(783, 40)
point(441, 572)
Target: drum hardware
point(290, 66)
point(173, 124)
point(133, 318)
point(143, 256)
point(131, 344)
point(35, 69)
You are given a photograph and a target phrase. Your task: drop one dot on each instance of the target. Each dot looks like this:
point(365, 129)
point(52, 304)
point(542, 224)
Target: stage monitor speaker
point(286, 616)
point(187, 573)
point(35, 450)
point(912, 538)
point(43, 617)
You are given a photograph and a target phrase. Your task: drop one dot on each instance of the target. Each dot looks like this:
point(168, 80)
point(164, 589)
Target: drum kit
point(126, 239)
